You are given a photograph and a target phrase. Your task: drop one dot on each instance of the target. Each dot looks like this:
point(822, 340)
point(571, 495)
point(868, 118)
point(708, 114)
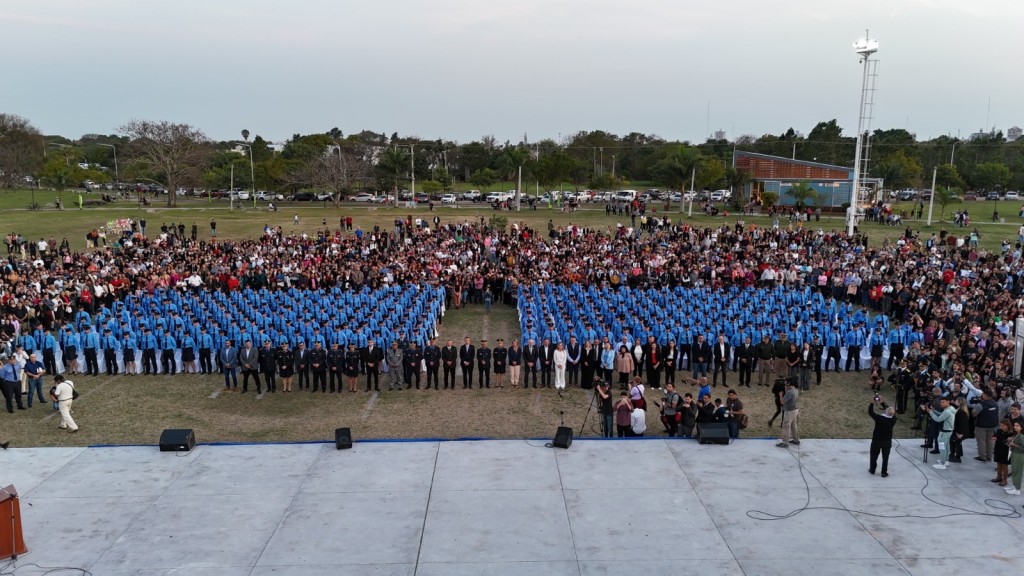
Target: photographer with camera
point(881, 436)
point(669, 414)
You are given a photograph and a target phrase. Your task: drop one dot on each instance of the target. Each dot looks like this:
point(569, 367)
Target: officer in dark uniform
point(352, 360)
point(500, 355)
point(817, 349)
point(268, 365)
point(318, 366)
point(302, 365)
point(483, 364)
point(335, 366)
point(449, 360)
point(432, 355)
point(412, 358)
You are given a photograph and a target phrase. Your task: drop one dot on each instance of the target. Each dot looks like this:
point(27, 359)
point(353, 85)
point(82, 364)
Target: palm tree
point(245, 135)
point(392, 163)
point(737, 178)
point(801, 192)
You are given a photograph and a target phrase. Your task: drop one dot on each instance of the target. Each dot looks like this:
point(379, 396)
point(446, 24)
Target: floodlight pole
point(117, 177)
point(865, 48)
point(931, 199)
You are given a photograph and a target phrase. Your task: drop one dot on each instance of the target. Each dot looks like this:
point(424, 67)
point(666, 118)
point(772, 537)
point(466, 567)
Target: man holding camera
point(881, 436)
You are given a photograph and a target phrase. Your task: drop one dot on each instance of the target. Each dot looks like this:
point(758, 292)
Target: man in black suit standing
point(413, 360)
point(531, 359)
point(318, 366)
point(720, 356)
point(467, 355)
point(572, 365)
point(651, 358)
point(745, 360)
point(547, 362)
point(449, 357)
point(302, 365)
point(432, 357)
point(372, 357)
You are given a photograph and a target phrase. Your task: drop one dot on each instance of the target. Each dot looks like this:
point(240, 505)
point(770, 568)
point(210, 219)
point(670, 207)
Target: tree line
point(180, 155)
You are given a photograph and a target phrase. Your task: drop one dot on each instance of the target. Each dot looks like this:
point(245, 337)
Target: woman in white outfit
point(63, 394)
point(560, 357)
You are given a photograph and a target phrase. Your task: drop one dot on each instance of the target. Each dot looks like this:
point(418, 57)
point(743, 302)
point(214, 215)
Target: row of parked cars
point(913, 195)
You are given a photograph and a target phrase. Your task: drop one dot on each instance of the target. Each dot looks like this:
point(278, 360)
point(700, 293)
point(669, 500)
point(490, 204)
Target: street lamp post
point(252, 174)
point(117, 175)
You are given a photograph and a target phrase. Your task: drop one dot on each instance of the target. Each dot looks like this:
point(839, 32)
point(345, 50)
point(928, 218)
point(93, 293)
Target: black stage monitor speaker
point(714, 433)
point(563, 437)
point(342, 438)
point(177, 440)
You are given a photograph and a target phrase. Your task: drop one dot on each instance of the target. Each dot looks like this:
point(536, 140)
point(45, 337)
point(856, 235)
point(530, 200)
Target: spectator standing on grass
point(790, 416)
point(623, 416)
point(606, 410)
point(63, 394)
point(34, 371)
point(624, 365)
point(213, 228)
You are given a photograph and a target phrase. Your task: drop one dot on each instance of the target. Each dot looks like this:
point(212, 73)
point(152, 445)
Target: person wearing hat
point(148, 343)
point(352, 360)
point(483, 365)
point(318, 366)
point(70, 343)
point(168, 346)
point(268, 365)
point(90, 345)
point(110, 346)
point(500, 355)
point(854, 340)
point(335, 366)
point(432, 358)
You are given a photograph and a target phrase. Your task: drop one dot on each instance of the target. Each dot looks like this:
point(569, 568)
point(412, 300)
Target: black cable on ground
point(1009, 511)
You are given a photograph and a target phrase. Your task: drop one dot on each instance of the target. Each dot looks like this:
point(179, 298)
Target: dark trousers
point(467, 376)
point(670, 373)
point(320, 379)
point(245, 380)
point(372, 375)
point(268, 378)
point(149, 361)
point(721, 367)
point(528, 373)
point(853, 354)
point(334, 375)
point(875, 450)
point(895, 355)
point(412, 373)
point(653, 377)
point(817, 370)
point(902, 395)
point(545, 377)
point(204, 361)
point(572, 375)
point(303, 377)
point(833, 354)
point(110, 361)
point(484, 375)
point(745, 373)
point(167, 359)
point(432, 373)
point(50, 361)
point(92, 368)
point(12, 395)
point(449, 377)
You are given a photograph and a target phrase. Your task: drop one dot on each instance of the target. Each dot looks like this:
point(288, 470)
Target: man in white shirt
point(63, 394)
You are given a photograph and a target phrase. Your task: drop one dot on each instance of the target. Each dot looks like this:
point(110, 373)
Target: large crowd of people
point(651, 298)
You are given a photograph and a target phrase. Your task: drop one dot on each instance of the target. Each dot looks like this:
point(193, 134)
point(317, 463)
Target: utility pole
point(931, 200)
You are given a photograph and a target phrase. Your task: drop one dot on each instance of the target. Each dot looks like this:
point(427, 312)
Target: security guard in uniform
point(412, 359)
point(335, 366)
point(483, 364)
point(432, 356)
point(318, 366)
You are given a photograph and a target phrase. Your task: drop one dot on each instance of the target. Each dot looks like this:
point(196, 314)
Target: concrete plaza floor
point(651, 507)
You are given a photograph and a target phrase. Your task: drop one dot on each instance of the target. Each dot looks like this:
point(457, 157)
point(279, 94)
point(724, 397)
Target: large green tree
point(21, 150)
point(177, 153)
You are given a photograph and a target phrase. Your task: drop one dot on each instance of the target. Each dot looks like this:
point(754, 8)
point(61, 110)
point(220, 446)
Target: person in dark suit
point(588, 365)
point(372, 357)
point(318, 366)
point(483, 364)
point(701, 353)
point(531, 362)
point(335, 366)
point(500, 355)
point(302, 365)
point(720, 354)
point(449, 357)
point(817, 349)
point(881, 436)
point(572, 366)
point(432, 357)
point(412, 359)
point(268, 366)
point(249, 361)
point(745, 355)
point(652, 359)
point(546, 357)
point(467, 355)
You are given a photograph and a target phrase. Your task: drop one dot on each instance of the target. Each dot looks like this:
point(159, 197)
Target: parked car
point(363, 197)
point(268, 196)
point(968, 196)
point(422, 197)
point(719, 195)
point(1012, 195)
point(473, 195)
point(992, 196)
point(324, 196)
point(302, 197)
point(449, 199)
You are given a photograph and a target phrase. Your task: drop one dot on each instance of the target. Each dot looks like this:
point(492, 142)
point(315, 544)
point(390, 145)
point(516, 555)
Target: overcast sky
point(459, 69)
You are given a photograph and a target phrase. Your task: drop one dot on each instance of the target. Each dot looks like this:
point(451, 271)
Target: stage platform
point(649, 506)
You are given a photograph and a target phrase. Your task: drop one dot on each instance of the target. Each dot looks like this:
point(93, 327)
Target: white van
point(625, 195)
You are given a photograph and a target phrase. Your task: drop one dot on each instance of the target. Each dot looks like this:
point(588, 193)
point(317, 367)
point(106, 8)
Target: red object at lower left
point(12, 541)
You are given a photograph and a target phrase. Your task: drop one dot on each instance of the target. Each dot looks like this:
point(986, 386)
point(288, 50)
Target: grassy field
point(73, 223)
